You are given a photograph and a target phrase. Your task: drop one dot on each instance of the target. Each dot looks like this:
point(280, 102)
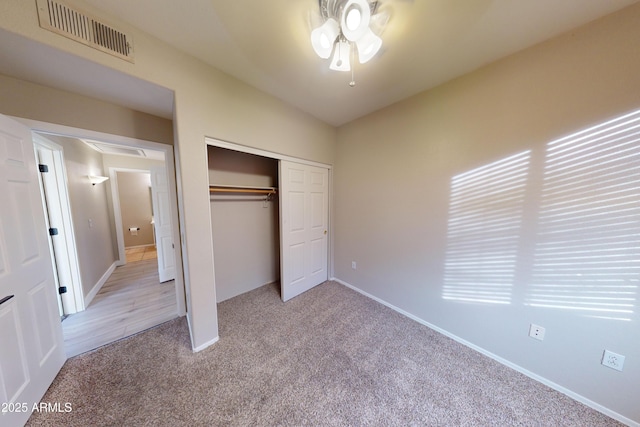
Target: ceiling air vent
point(62, 19)
point(121, 150)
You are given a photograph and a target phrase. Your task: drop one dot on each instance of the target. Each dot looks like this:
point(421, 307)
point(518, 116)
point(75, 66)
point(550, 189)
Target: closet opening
point(245, 221)
point(270, 220)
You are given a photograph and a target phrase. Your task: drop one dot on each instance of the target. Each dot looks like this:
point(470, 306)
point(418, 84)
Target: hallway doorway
point(129, 298)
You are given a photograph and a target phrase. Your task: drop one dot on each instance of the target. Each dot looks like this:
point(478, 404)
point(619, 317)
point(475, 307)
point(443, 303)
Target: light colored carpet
point(330, 357)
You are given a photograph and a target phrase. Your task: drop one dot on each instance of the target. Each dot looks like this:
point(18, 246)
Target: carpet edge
point(573, 395)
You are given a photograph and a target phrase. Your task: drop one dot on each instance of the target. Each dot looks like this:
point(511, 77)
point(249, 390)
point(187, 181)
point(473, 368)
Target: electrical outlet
point(613, 360)
point(353, 265)
point(536, 332)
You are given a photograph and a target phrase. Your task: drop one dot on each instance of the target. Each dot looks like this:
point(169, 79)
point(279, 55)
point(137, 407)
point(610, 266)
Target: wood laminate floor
point(140, 253)
point(131, 301)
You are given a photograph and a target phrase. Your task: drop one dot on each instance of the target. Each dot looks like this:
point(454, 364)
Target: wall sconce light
point(95, 179)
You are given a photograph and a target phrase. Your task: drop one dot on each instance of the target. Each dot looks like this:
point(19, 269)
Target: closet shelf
point(242, 189)
point(237, 189)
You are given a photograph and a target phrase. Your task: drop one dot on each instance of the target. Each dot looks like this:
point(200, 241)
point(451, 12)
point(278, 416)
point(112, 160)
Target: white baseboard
point(201, 346)
point(608, 412)
point(96, 288)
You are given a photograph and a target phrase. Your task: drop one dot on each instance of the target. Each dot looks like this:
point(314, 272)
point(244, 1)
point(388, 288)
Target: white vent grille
point(121, 150)
point(59, 18)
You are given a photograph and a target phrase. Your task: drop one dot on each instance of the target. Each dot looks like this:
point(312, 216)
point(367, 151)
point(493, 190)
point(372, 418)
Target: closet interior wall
point(246, 243)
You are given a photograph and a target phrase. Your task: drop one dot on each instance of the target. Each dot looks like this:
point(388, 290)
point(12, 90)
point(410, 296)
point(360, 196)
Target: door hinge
point(43, 168)
point(62, 290)
point(5, 299)
point(53, 232)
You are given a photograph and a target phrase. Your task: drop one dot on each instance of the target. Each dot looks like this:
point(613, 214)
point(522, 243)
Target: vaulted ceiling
point(425, 43)
point(266, 44)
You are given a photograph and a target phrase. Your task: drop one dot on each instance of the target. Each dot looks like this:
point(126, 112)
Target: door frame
point(117, 212)
point(278, 156)
point(52, 128)
point(61, 192)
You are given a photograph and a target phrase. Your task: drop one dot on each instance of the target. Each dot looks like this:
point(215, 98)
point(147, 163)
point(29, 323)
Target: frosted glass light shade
point(340, 61)
point(352, 27)
point(368, 46)
point(353, 18)
point(323, 38)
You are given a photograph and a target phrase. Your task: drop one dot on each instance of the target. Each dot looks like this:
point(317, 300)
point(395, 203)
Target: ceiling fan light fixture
point(324, 37)
point(347, 27)
point(368, 46)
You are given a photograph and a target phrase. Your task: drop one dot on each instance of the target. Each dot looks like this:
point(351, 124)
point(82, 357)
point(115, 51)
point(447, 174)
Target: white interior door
point(304, 215)
point(162, 224)
point(31, 342)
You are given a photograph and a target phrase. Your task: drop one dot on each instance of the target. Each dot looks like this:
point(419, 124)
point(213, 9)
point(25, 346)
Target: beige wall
point(32, 101)
point(89, 211)
point(392, 182)
point(207, 103)
point(135, 207)
point(246, 243)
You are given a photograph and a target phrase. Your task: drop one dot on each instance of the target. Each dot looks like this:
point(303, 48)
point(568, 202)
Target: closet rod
point(231, 189)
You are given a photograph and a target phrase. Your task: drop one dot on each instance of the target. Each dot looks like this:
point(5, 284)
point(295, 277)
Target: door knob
point(325, 231)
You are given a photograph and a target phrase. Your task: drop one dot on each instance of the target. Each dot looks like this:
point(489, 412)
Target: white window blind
point(587, 255)
point(485, 219)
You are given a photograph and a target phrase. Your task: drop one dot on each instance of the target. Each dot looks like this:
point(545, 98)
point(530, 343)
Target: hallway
point(140, 253)
point(131, 301)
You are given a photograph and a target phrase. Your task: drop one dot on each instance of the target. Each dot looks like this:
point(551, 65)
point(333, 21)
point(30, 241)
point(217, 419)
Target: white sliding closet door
point(304, 215)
